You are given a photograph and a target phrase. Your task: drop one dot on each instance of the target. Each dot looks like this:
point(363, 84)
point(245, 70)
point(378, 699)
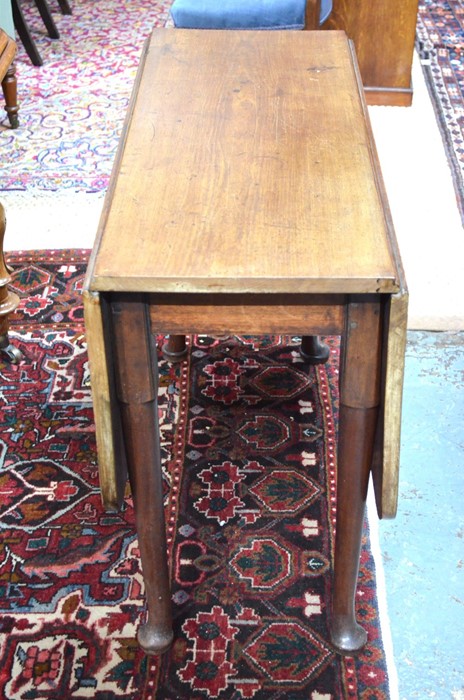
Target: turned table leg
point(136, 383)
point(359, 404)
point(313, 350)
point(175, 348)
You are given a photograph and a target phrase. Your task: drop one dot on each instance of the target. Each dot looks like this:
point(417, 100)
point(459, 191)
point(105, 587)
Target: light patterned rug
point(72, 108)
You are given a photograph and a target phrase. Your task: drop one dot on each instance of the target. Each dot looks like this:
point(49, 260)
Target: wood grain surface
point(254, 172)
point(383, 33)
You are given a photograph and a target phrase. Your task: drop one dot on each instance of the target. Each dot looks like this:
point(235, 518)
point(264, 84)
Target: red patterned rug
point(440, 43)
point(249, 434)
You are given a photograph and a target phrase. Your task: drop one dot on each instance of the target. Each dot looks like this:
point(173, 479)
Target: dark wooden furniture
point(246, 197)
point(383, 33)
point(24, 33)
point(8, 301)
point(8, 77)
point(47, 19)
point(312, 349)
point(65, 7)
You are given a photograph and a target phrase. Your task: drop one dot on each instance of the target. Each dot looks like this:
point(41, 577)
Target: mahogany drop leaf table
point(247, 197)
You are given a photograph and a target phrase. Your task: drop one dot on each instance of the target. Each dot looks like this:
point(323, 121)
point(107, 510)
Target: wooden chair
point(23, 29)
point(243, 14)
point(65, 7)
point(8, 77)
point(8, 302)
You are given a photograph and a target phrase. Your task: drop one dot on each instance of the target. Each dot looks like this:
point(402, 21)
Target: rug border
point(426, 56)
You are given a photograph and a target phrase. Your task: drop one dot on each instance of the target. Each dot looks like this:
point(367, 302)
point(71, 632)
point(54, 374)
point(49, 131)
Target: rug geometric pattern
point(249, 479)
point(440, 43)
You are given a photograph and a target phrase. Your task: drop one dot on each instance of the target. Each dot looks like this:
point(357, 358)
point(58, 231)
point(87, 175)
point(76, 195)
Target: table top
point(246, 164)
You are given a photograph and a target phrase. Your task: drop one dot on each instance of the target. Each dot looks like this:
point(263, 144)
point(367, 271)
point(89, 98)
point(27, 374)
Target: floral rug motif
point(72, 108)
point(248, 439)
point(440, 43)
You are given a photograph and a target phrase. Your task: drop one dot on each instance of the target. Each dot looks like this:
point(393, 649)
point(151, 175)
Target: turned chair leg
point(10, 92)
point(8, 301)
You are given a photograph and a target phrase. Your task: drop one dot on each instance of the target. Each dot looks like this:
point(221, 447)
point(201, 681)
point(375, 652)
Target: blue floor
point(423, 548)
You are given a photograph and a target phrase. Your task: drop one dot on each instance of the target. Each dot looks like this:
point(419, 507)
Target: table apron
point(247, 314)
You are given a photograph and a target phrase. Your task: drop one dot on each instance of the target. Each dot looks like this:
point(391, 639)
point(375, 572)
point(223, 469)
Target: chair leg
point(47, 18)
point(25, 35)
point(8, 302)
point(65, 7)
point(9, 87)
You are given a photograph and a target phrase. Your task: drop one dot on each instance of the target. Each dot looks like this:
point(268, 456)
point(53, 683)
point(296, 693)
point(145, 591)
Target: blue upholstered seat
point(243, 14)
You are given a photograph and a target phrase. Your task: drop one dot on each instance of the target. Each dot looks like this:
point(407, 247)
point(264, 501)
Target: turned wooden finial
point(8, 300)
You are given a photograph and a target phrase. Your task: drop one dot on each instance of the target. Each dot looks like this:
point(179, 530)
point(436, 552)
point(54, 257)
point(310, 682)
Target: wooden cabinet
point(383, 32)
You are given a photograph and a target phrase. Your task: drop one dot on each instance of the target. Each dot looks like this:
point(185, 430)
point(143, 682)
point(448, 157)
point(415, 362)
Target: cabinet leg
point(136, 382)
